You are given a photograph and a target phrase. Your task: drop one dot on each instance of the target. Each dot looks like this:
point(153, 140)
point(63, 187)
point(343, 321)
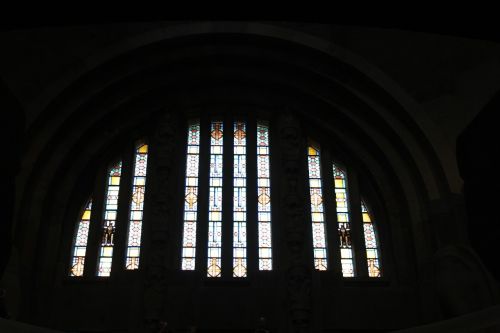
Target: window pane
point(344, 226)
point(317, 210)
point(215, 200)
point(239, 200)
point(80, 242)
point(137, 207)
point(108, 226)
point(264, 197)
point(371, 244)
point(191, 198)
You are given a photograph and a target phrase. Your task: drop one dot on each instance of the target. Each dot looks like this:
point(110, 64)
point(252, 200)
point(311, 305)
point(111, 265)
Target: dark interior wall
point(450, 78)
point(477, 148)
point(12, 129)
point(41, 64)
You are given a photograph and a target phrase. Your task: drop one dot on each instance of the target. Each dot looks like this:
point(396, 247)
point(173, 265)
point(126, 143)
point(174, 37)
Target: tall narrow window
point(239, 201)
point(80, 242)
point(215, 200)
point(344, 229)
point(137, 207)
point(317, 209)
point(264, 198)
point(108, 226)
point(371, 244)
point(191, 198)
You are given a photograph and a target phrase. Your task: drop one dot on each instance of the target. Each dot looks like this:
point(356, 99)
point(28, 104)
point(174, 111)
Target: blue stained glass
point(191, 198)
point(317, 210)
point(80, 243)
point(136, 207)
point(264, 197)
point(108, 229)
point(344, 229)
point(371, 244)
point(214, 268)
point(239, 199)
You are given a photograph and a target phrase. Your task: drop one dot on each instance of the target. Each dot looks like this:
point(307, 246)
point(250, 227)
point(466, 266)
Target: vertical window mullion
point(227, 200)
point(95, 228)
point(356, 223)
point(252, 228)
point(122, 215)
point(204, 193)
point(330, 215)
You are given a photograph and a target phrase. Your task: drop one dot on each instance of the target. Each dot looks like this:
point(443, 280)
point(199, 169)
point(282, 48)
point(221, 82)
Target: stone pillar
point(293, 203)
point(157, 231)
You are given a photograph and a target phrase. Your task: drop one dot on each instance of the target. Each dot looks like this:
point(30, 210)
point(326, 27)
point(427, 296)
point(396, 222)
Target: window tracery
point(234, 218)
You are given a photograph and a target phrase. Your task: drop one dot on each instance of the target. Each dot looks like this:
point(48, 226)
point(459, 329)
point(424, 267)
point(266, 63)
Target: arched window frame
point(357, 190)
point(251, 119)
point(123, 151)
point(333, 260)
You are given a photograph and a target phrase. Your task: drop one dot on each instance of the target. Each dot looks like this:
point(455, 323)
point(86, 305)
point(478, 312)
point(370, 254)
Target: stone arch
point(227, 66)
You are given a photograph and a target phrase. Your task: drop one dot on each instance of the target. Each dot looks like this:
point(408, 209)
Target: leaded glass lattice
point(264, 198)
point(80, 243)
point(239, 200)
point(108, 226)
point(343, 221)
point(137, 207)
point(215, 200)
point(371, 244)
point(191, 198)
point(317, 209)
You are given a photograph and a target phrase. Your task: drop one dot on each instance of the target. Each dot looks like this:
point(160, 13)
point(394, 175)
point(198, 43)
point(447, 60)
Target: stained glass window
point(264, 198)
point(108, 226)
point(371, 244)
point(137, 207)
point(215, 200)
point(239, 201)
point(317, 209)
point(191, 198)
point(343, 221)
point(80, 243)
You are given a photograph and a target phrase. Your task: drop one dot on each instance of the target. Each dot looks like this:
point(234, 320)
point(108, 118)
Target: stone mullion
point(203, 194)
point(252, 220)
point(331, 223)
point(298, 235)
point(122, 219)
point(161, 189)
point(95, 227)
point(227, 199)
point(357, 231)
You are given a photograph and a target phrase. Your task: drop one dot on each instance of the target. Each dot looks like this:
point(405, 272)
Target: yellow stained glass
point(115, 180)
point(86, 215)
point(143, 149)
point(312, 151)
point(339, 182)
point(366, 217)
